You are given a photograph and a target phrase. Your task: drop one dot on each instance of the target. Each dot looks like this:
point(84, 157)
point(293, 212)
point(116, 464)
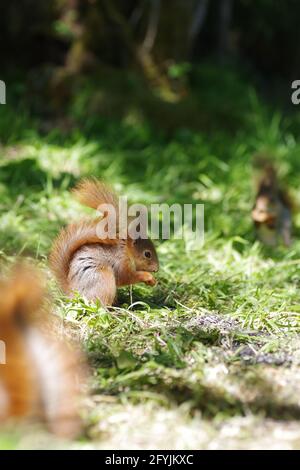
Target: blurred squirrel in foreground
point(95, 266)
point(272, 211)
point(38, 379)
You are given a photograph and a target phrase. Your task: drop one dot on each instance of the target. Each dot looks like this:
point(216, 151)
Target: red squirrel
point(95, 266)
point(38, 379)
point(272, 211)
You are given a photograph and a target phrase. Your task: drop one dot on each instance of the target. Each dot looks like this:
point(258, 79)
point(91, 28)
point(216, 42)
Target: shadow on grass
point(212, 401)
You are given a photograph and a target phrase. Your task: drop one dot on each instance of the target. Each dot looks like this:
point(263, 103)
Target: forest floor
point(209, 358)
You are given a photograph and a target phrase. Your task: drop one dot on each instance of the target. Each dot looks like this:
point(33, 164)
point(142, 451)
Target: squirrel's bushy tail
point(267, 181)
point(21, 299)
point(38, 378)
point(70, 239)
point(21, 295)
point(98, 195)
point(93, 193)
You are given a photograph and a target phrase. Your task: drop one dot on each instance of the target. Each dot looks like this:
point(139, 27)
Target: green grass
point(209, 357)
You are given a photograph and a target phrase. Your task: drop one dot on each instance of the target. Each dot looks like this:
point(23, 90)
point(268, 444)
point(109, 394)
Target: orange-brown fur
point(70, 239)
point(271, 213)
point(95, 266)
point(39, 377)
point(92, 193)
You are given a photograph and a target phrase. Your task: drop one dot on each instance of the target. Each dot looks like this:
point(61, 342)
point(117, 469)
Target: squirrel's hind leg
point(98, 284)
point(106, 290)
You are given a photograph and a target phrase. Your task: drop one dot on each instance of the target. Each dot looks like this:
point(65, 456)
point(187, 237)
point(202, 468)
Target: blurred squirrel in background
point(272, 211)
point(95, 266)
point(39, 377)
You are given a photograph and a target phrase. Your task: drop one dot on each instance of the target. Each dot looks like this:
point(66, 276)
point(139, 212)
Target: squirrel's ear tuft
point(137, 241)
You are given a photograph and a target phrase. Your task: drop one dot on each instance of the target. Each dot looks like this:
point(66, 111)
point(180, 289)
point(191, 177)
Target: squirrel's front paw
point(151, 282)
point(149, 279)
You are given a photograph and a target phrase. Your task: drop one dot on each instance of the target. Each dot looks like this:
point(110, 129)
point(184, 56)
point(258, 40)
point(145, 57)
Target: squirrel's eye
point(147, 254)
